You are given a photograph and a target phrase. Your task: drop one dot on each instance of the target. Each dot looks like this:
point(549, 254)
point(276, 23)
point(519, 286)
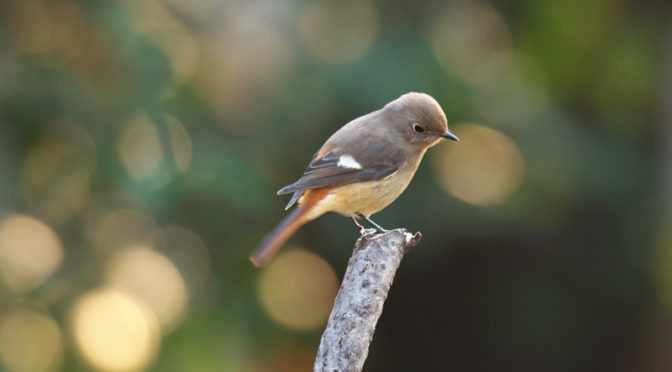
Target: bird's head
point(419, 119)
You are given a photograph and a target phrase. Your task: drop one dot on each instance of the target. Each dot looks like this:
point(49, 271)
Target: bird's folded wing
point(337, 168)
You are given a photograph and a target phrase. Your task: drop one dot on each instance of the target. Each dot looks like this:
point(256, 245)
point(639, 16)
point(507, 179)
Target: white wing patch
point(347, 161)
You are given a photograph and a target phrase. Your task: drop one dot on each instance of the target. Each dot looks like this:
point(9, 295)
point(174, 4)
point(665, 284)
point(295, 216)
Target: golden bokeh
point(142, 153)
point(485, 168)
point(511, 99)
point(471, 40)
point(114, 332)
point(152, 278)
point(30, 252)
point(243, 58)
point(30, 341)
point(189, 253)
point(298, 289)
point(180, 143)
point(140, 148)
point(55, 176)
point(121, 228)
point(339, 31)
point(157, 22)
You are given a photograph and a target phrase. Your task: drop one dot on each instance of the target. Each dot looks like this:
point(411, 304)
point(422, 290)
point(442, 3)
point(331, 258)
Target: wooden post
point(359, 303)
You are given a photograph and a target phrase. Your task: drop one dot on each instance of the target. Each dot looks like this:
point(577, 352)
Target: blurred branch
point(359, 303)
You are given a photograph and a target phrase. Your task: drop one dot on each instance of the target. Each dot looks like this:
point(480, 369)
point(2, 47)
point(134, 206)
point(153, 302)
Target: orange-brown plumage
point(276, 238)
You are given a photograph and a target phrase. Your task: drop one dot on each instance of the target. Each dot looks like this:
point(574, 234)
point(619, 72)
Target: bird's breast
point(366, 198)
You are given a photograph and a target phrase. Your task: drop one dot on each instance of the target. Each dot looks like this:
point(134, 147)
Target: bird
point(362, 168)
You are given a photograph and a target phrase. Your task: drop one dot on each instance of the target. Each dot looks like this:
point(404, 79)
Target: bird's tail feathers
point(276, 238)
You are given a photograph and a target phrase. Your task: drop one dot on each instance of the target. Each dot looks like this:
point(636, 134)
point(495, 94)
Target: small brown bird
point(362, 168)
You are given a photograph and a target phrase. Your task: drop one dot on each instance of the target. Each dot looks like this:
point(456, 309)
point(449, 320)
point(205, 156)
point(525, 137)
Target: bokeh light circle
point(114, 332)
point(30, 341)
point(471, 40)
point(298, 289)
point(189, 254)
point(140, 149)
point(151, 277)
point(339, 31)
point(158, 23)
point(485, 168)
point(180, 143)
point(121, 228)
point(30, 252)
point(56, 172)
point(243, 58)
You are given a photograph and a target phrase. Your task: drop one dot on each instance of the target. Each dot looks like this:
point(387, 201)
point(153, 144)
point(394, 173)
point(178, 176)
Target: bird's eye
point(418, 129)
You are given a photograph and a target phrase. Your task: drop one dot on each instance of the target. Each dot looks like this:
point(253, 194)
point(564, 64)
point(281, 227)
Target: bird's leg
point(359, 227)
point(378, 227)
point(362, 230)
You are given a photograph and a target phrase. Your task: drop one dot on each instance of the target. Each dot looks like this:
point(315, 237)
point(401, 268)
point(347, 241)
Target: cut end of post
point(412, 241)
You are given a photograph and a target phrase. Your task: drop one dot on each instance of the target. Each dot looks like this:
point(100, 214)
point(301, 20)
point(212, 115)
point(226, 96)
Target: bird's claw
point(365, 231)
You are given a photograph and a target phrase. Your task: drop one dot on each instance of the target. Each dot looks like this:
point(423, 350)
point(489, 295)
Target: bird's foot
point(378, 229)
point(365, 232)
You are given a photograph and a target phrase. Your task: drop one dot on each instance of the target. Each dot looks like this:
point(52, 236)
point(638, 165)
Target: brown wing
point(378, 161)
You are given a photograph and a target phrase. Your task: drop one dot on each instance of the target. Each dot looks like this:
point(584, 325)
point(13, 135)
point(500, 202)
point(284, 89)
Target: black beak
point(450, 136)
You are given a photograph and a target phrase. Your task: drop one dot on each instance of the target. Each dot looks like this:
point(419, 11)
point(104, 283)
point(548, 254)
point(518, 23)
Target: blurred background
point(142, 143)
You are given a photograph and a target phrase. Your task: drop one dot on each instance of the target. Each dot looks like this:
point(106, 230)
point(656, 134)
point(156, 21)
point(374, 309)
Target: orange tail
point(276, 238)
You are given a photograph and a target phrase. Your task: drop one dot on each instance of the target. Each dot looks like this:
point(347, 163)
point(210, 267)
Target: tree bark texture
point(359, 303)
